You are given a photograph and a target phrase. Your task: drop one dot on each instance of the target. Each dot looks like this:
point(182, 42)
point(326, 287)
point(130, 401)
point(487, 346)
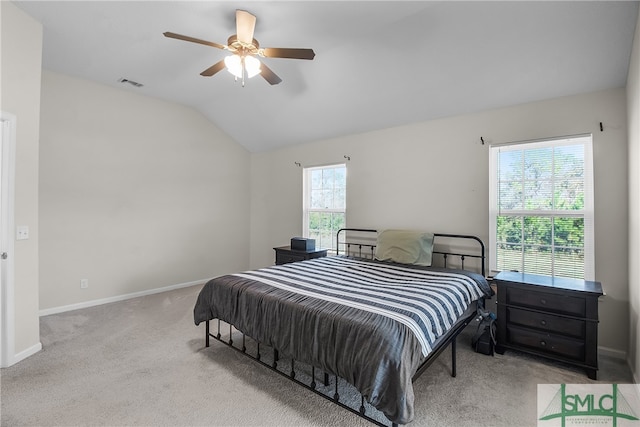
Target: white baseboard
point(616, 354)
point(92, 303)
point(23, 354)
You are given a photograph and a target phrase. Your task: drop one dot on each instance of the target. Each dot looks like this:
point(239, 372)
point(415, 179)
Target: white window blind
point(541, 207)
point(324, 203)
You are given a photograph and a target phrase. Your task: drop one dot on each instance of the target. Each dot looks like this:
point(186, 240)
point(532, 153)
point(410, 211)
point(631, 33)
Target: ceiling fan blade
point(245, 25)
point(213, 69)
point(291, 53)
point(269, 75)
point(193, 39)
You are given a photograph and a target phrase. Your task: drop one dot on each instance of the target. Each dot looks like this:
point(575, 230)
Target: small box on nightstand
point(302, 244)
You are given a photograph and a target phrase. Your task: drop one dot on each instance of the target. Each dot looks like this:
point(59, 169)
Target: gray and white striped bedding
point(368, 322)
point(427, 301)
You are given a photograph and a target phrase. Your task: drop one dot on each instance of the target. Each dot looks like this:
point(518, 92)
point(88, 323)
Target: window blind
point(541, 207)
point(324, 203)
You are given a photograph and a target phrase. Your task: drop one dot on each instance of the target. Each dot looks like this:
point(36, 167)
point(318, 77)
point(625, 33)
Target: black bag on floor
point(485, 338)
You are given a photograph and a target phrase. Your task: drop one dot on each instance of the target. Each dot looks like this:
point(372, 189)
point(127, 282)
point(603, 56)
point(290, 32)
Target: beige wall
point(138, 194)
point(135, 194)
point(21, 56)
point(633, 113)
point(434, 175)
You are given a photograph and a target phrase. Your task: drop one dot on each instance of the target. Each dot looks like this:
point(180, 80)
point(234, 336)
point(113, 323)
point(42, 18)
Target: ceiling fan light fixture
point(234, 65)
point(252, 65)
point(237, 65)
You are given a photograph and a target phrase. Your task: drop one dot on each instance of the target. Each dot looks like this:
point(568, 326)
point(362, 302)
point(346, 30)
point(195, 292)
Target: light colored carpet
point(143, 362)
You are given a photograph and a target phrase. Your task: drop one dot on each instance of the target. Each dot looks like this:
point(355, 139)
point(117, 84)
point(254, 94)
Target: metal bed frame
point(356, 249)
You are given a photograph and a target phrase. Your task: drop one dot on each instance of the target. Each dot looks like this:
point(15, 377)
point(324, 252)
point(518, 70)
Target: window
point(541, 207)
point(324, 203)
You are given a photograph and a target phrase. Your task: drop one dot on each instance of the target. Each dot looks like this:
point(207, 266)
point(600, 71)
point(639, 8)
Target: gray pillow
point(405, 247)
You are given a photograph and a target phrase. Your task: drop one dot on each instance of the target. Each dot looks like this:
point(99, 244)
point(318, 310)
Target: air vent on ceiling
point(131, 82)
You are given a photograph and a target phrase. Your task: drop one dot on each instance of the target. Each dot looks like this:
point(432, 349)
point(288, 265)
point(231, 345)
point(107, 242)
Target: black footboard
point(329, 381)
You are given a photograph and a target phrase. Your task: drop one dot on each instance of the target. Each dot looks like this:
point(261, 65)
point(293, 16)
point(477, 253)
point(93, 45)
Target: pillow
point(405, 247)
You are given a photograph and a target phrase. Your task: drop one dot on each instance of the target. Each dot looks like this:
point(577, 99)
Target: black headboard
point(452, 249)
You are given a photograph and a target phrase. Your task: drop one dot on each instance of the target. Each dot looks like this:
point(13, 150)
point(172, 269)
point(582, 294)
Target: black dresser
point(285, 254)
point(548, 316)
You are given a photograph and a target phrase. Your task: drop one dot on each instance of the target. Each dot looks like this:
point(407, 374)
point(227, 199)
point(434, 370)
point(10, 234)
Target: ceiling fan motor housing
point(235, 45)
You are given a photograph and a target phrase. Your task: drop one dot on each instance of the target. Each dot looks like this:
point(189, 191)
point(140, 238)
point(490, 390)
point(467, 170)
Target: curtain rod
point(347, 158)
point(526, 141)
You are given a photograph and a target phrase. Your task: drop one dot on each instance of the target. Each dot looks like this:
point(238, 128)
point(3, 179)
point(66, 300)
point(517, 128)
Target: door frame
point(7, 200)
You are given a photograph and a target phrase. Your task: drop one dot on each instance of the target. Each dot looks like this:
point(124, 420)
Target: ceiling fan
point(244, 49)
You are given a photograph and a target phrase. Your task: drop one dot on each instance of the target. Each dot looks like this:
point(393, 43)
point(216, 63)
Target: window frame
point(587, 213)
point(306, 201)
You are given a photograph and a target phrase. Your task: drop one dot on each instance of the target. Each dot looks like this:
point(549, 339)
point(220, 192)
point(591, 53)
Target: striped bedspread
point(427, 301)
point(368, 322)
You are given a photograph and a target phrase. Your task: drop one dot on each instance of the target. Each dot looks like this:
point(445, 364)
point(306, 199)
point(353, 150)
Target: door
point(7, 173)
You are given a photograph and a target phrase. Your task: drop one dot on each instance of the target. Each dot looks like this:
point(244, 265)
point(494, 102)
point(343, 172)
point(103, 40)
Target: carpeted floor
point(142, 362)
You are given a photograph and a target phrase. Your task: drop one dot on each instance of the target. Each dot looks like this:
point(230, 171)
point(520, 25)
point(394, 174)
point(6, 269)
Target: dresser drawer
point(285, 254)
point(554, 303)
point(547, 343)
point(284, 258)
point(547, 322)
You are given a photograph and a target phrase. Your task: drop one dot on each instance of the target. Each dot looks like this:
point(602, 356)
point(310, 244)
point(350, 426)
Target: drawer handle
point(543, 343)
point(543, 322)
point(543, 301)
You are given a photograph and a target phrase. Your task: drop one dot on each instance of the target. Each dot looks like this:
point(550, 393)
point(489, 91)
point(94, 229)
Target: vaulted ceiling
point(378, 64)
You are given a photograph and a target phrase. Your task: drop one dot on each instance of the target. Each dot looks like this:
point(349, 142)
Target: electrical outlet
point(84, 283)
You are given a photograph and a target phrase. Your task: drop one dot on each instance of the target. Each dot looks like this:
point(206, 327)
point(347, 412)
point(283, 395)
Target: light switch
point(22, 232)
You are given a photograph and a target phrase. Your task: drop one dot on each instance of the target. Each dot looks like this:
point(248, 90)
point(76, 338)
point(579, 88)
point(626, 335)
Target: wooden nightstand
point(549, 316)
point(285, 254)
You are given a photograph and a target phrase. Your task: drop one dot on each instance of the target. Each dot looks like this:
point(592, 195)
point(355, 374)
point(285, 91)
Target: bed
point(374, 315)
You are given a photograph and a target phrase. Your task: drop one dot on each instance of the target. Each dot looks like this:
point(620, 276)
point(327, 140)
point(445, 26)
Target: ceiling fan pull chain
point(243, 71)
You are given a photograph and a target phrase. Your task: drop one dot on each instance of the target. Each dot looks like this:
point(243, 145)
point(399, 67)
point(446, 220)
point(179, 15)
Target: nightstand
point(285, 254)
point(548, 316)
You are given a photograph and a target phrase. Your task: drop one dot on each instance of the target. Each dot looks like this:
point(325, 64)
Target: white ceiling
point(378, 64)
